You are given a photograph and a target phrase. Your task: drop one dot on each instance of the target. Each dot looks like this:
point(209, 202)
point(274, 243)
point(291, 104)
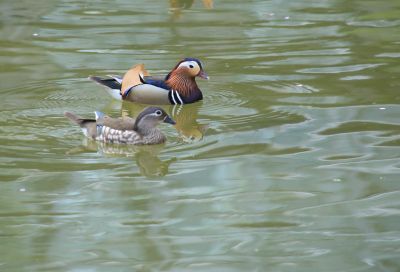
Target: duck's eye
point(158, 112)
point(191, 66)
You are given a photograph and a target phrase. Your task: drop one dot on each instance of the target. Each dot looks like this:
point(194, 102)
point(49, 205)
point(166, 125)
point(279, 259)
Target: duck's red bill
point(203, 74)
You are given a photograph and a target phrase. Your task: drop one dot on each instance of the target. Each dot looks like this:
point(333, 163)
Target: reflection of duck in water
point(185, 117)
point(186, 122)
point(126, 130)
point(149, 163)
point(181, 4)
point(176, 6)
point(146, 156)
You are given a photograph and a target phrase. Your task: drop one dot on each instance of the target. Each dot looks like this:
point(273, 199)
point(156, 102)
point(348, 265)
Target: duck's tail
point(74, 118)
point(89, 126)
point(113, 85)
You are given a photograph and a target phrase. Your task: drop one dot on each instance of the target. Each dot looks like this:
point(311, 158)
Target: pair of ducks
point(178, 87)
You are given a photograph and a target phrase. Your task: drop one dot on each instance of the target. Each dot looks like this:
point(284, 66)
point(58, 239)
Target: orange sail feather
point(132, 78)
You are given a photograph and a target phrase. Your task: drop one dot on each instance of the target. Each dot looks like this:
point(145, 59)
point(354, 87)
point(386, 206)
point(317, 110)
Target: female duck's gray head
point(149, 118)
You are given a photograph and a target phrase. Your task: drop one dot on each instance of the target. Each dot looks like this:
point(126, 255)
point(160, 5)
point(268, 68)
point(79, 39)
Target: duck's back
point(158, 82)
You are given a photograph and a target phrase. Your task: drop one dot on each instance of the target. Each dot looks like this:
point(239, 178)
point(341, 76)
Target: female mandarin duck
point(178, 87)
point(125, 130)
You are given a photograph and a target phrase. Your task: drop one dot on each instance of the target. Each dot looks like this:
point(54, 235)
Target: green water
point(291, 162)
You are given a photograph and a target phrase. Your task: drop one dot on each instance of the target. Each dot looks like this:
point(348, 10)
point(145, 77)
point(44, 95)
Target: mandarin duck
point(178, 87)
point(125, 130)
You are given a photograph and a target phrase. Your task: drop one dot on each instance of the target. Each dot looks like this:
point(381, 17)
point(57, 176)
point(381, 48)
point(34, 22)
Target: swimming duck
point(125, 130)
point(178, 87)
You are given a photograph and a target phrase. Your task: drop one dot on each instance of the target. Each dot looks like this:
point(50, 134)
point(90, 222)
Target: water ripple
point(339, 69)
point(377, 205)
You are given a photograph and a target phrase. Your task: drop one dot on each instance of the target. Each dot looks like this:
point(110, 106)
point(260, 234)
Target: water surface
point(291, 162)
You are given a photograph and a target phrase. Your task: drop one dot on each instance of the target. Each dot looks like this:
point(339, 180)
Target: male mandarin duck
point(178, 87)
point(125, 130)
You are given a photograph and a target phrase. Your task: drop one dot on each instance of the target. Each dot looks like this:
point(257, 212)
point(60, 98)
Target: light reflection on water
point(290, 162)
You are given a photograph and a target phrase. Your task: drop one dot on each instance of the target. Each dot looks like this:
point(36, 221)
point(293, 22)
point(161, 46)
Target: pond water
point(291, 162)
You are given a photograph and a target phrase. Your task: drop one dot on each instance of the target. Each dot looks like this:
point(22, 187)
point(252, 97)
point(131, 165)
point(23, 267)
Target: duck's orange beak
point(203, 74)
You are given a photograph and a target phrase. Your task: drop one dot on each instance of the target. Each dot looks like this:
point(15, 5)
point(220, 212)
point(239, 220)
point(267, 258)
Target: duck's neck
point(153, 136)
point(149, 133)
point(184, 85)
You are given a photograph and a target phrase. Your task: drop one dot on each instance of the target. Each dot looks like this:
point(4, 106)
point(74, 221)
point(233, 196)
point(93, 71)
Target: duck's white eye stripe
point(189, 64)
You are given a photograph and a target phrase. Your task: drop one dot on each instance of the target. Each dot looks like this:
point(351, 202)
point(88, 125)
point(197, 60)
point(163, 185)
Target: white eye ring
point(158, 112)
point(189, 64)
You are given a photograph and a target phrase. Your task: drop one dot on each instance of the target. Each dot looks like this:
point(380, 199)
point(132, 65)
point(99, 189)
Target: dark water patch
point(393, 143)
point(39, 214)
point(260, 120)
point(342, 157)
point(248, 149)
point(360, 126)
